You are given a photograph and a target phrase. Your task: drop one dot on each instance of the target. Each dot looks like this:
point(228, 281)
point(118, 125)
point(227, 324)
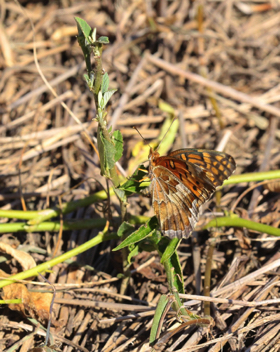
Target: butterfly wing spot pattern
point(181, 182)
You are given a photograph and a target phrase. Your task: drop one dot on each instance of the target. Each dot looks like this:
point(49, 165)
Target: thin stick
point(218, 87)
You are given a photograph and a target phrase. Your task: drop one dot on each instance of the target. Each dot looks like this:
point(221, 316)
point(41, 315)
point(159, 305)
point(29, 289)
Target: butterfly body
point(181, 182)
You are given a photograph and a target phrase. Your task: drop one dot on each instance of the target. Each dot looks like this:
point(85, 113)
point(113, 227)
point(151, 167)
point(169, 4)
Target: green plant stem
point(114, 177)
point(43, 215)
point(53, 226)
point(140, 219)
point(238, 222)
point(36, 217)
point(104, 133)
point(19, 214)
point(67, 225)
point(102, 125)
point(177, 305)
point(97, 52)
point(10, 301)
point(249, 177)
point(253, 177)
point(101, 237)
point(207, 280)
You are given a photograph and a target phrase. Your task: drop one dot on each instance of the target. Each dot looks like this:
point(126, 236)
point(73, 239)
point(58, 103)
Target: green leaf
point(110, 152)
point(107, 152)
point(89, 79)
point(168, 134)
point(133, 251)
point(107, 95)
point(83, 27)
point(125, 229)
point(158, 318)
point(150, 243)
point(105, 83)
point(121, 195)
point(93, 36)
point(100, 145)
point(170, 249)
point(103, 40)
point(166, 107)
point(118, 140)
point(84, 32)
point(172, 265)
point(132, 185)
point(100, 100)
point(178, 275)
point(144, 231)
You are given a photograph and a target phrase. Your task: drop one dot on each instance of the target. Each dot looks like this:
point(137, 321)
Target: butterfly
point(181, 182)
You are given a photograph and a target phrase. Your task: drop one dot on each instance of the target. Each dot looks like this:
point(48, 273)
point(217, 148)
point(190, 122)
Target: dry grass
point(221, 75)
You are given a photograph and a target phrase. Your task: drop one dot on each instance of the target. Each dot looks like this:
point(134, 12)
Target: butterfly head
point(153, 155)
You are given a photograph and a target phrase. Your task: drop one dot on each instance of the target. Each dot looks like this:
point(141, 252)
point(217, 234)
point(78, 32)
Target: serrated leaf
point(107, 95)
point(137, 236)
point(103, 40)
point(110, 151)
point(105, 83)
point(106, 153)
point(118, 140)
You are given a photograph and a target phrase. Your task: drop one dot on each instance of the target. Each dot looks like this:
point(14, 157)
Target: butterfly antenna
point(140, 135)
point(174, 118)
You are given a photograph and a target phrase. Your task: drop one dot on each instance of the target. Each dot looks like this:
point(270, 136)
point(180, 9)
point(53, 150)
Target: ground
point(212, 64)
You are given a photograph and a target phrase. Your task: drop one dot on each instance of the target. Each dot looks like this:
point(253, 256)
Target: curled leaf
point(25, 259)
point(34, 304)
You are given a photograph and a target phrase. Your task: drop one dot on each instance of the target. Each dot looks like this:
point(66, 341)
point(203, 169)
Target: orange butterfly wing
point(217, 165)
point(181, 182)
